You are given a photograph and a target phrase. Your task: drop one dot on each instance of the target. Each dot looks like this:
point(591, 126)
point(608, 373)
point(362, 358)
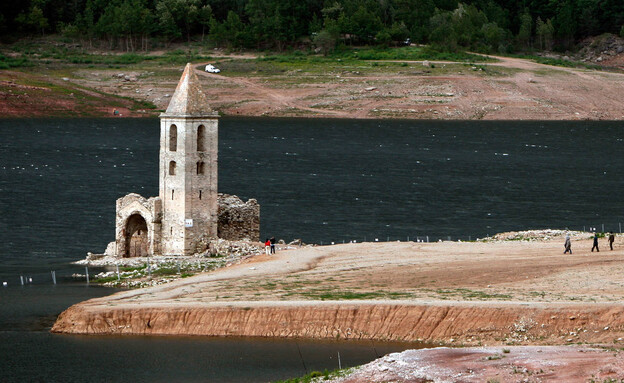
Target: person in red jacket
point(267, 247)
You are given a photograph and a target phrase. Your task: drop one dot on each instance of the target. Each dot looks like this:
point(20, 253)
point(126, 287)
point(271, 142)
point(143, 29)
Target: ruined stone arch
point(136, 236)
point(136, 213)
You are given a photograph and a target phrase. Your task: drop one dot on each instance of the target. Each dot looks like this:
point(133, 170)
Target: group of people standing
point(269, 246)
point(568, 244)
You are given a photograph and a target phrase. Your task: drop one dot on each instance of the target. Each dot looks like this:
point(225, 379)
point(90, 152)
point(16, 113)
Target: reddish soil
point(511, 89)
point(39, 95)
point(568, 364)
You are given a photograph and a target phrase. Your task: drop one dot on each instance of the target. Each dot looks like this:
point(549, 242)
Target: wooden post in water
point(339, 364)
point(53, 276)
point(118, 277)
point(87, 273)
point(22, 280)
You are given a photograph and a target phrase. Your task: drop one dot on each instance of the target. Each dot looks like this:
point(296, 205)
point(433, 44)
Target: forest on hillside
point(481, 25)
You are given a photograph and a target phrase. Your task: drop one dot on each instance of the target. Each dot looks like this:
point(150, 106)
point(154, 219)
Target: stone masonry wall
point(238, 220)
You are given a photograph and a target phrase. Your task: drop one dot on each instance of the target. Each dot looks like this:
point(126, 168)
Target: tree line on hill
point(481, 25)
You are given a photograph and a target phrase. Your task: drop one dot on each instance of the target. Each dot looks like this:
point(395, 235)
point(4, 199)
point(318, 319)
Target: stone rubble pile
point(536, 235)
point(601, 49)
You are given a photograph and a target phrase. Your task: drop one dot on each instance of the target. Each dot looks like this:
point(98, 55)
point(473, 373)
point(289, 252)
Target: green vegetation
point(559, 62)
point(317, 376)
point(478, 25)
point(471, 294)
point(130, 276)
point(10, 62)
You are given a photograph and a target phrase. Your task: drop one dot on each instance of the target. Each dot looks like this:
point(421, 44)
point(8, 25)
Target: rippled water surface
point(318, 180)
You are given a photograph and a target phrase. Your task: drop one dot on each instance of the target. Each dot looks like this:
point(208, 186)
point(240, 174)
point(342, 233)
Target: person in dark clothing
point(611, 239)
point(595, 243)
point(272, 245)
point(567, 245)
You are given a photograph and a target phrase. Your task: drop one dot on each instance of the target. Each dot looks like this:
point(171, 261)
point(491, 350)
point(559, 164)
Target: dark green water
point(318, 180)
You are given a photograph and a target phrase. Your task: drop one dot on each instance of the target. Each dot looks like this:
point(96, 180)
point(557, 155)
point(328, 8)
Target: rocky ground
point(568, 364)
point(137, 272)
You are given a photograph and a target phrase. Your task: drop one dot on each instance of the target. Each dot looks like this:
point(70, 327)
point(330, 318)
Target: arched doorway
point(136, 236)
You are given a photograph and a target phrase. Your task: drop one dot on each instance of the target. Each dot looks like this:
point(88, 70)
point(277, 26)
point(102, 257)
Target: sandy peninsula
point(495, 293)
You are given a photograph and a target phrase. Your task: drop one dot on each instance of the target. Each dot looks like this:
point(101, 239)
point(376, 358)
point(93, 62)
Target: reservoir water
point(319, 180)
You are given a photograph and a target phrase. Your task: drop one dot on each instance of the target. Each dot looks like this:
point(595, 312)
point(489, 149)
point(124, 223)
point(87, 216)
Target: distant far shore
point(502, 88)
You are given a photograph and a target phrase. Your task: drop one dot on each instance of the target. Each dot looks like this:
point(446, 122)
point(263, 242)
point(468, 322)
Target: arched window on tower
point(201, 138)
point(172, 168)
point(200, 167)
point(173, 138)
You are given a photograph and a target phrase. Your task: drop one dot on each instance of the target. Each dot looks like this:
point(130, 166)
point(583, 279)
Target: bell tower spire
point(188, 168)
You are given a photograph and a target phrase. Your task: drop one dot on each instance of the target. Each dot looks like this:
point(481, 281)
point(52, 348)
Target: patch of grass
point(112, 278)
point(471, 294)
point(330, 294)
point(559, 62)
point(165, 270)
point(317, 376)
point(12, 62)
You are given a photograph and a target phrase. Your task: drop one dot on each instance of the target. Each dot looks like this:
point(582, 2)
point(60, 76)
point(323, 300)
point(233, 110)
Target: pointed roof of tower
point(189, 100)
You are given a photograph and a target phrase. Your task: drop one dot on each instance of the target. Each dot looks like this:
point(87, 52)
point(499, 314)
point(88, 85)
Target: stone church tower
point(188, 168)
point(188, 212)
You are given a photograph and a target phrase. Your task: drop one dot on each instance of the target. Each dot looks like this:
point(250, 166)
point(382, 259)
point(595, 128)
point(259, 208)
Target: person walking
point(567, 245)
point(267, 247)
point(272, 240)
point(595, 246)
point(611, 239)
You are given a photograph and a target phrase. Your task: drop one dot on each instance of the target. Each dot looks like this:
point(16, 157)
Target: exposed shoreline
point(516, 291)
point(377, 291)
point(456, 323)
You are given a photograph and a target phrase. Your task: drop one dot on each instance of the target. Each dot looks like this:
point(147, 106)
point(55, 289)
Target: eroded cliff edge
point(460, 323)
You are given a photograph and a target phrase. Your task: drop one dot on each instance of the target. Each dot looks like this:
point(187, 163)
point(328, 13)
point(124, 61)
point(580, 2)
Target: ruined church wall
point(238, 220)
